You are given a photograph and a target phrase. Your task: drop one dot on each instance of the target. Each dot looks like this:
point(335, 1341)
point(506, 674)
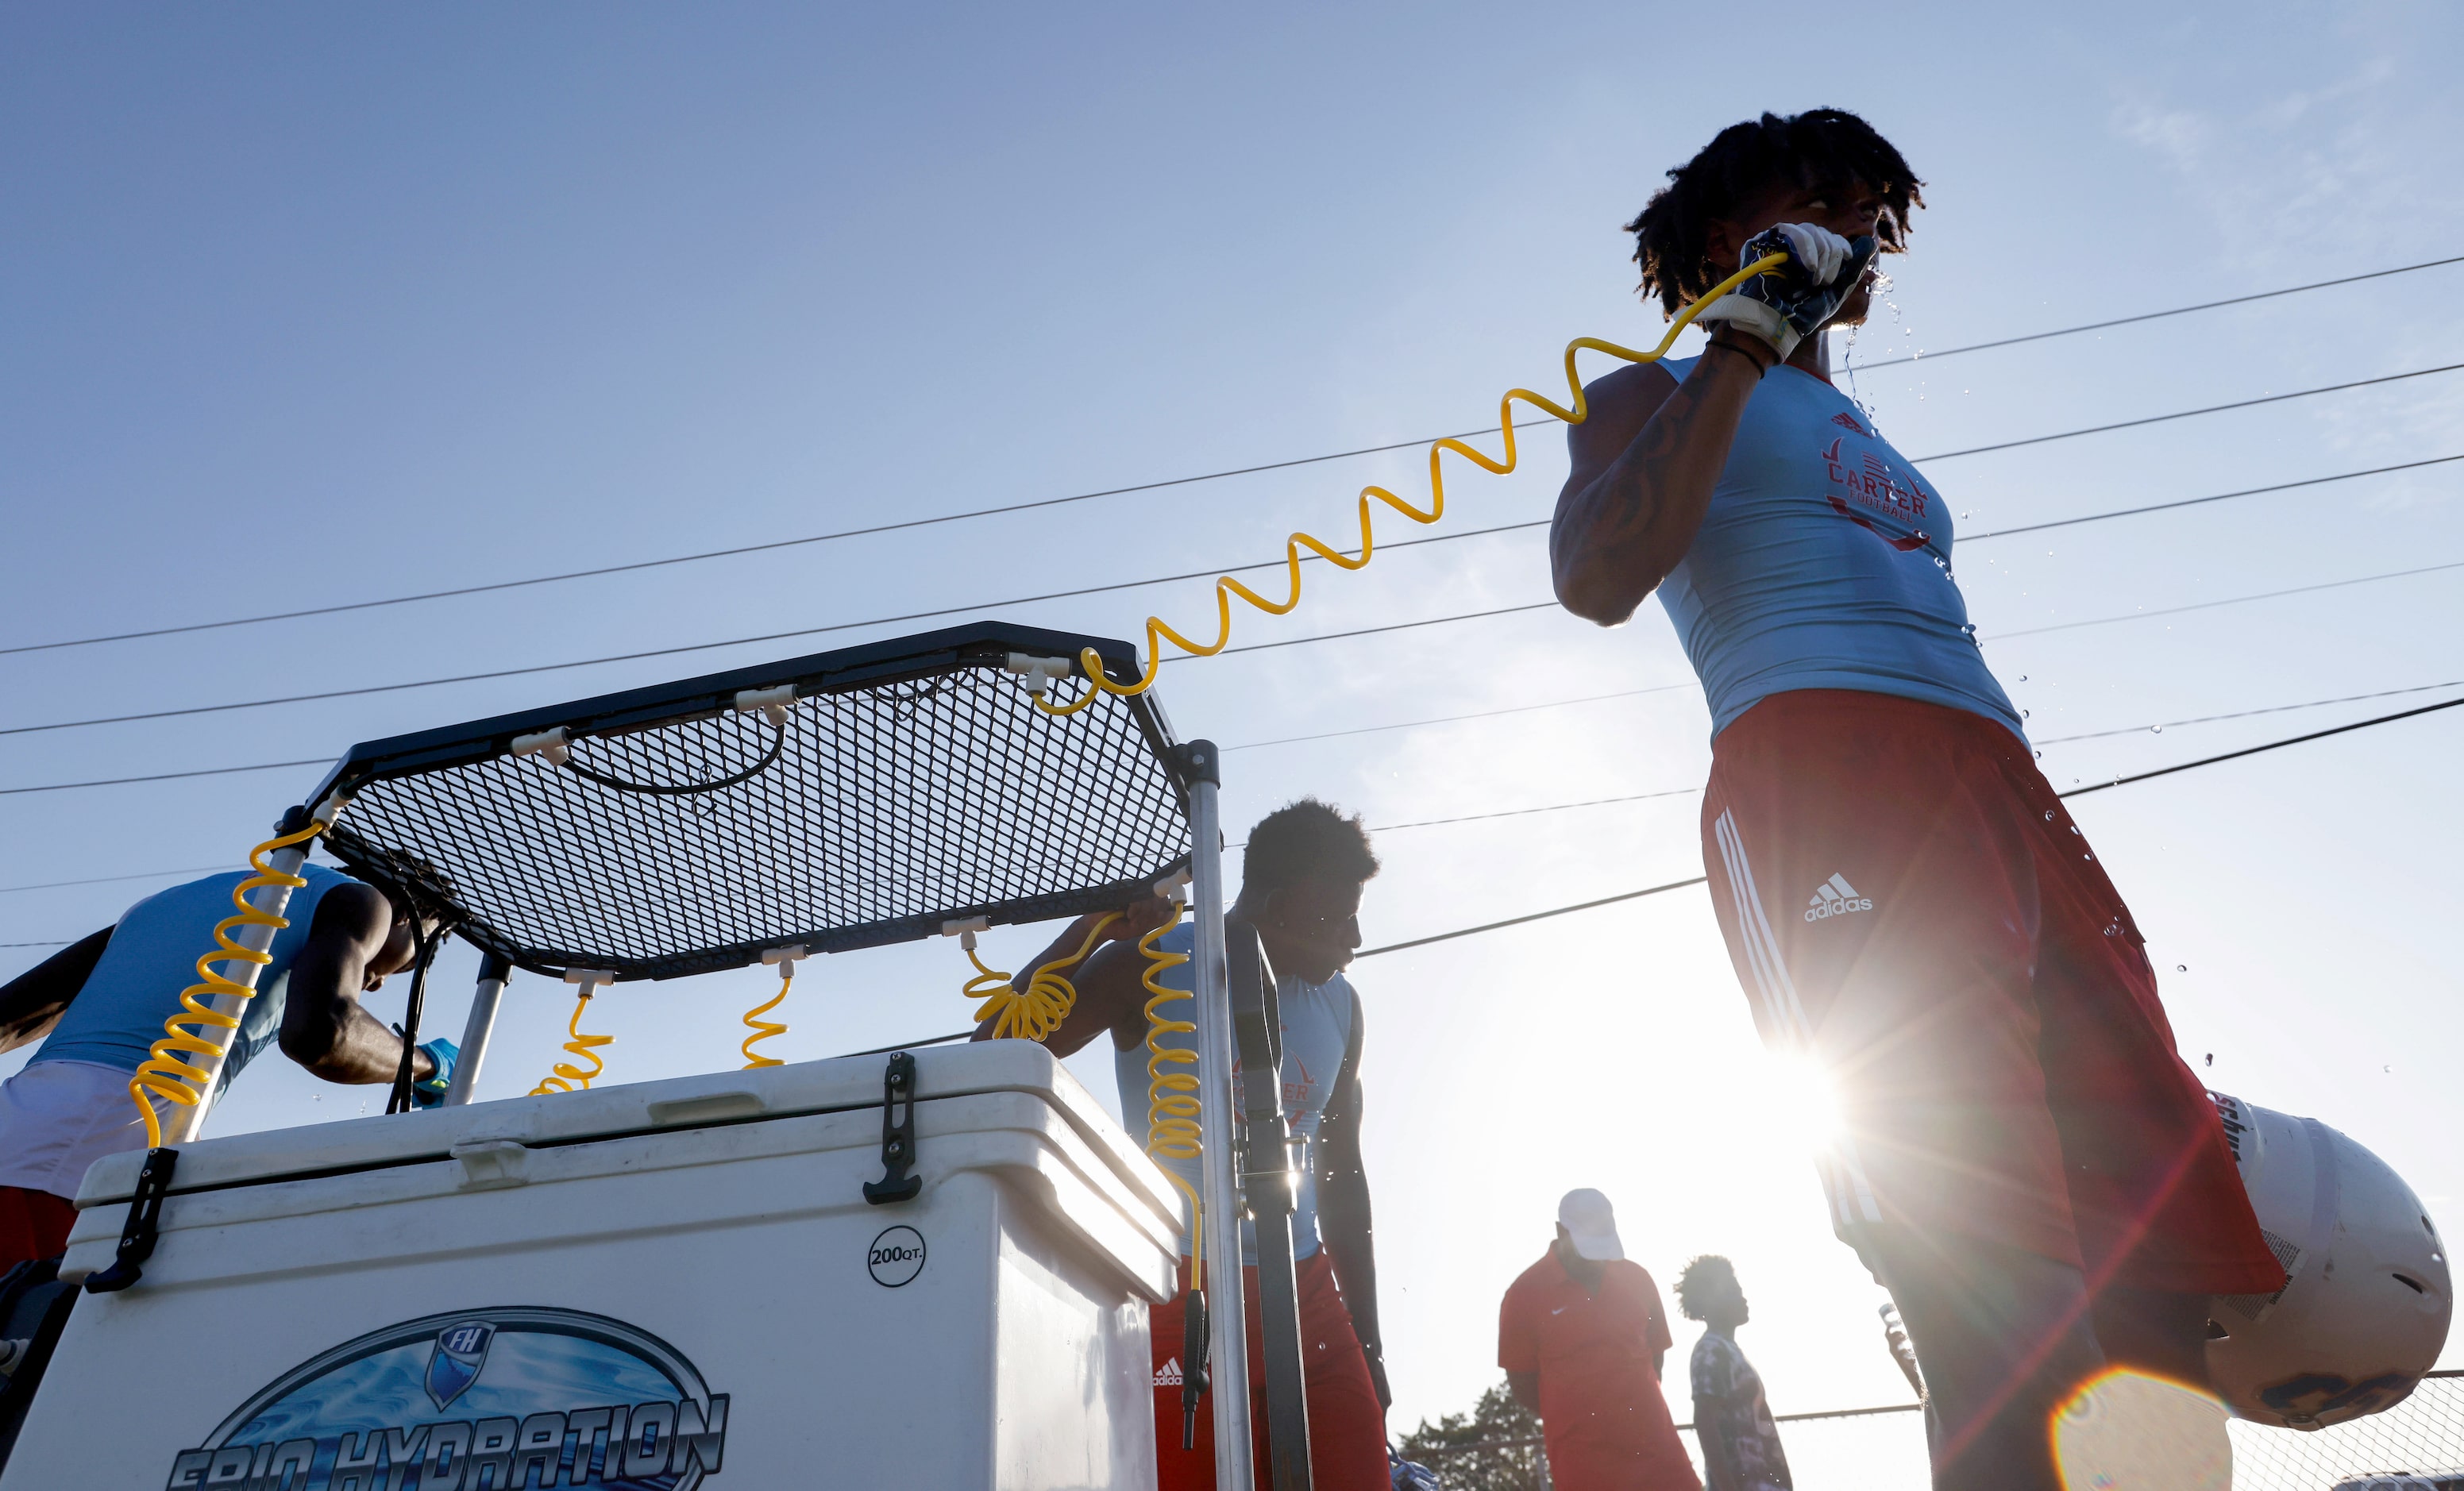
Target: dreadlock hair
point(1306, 840)
point(1819, 147)
point(1702, 1278)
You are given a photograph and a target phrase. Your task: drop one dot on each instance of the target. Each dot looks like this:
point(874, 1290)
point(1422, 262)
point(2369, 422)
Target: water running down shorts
point(1903, 894)
point(1347, 1429)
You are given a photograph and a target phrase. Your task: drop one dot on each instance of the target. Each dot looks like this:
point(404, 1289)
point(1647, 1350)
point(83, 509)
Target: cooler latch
point(897, 1136)
point(144, 1227)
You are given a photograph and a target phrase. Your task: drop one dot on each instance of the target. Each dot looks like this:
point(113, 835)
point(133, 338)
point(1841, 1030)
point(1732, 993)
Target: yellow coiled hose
point(1227, 587)
point(1037, 1011)
point(164, 1073)
point(566, 1075)
point(1172, 1131)
point(764, 1029)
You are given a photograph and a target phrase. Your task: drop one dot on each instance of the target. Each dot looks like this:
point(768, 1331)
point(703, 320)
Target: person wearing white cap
point(1582, 1337)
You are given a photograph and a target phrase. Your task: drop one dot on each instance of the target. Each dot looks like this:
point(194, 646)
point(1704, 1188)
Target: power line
point(1535, 419)
point(101, 880)
point(122, 781)
point(1255, 647)
point(2221, 496)
point(1526, 812)
point(2212, 408)
point(1678, 885)
point(2155, 316)
point(2272, 745)
point(1117, 586)
point(2273, 709)
point(749, 548)
point(2209, 605)
point(1448, 720)
point(2074, 791)
point(1517, 921)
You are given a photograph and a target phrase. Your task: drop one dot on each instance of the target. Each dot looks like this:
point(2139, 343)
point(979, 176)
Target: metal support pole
point(182, 1123)
point(1229, 1369)
point(493, 971)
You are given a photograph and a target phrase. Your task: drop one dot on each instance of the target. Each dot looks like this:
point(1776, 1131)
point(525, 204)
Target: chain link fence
point(2417, 1445)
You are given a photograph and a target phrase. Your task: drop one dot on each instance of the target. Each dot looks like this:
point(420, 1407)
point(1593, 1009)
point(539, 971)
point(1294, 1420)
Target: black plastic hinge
point(897, 1136)
point(144, 1227)
point(1196, 761)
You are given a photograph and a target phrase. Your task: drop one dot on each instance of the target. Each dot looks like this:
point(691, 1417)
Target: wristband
point(1760, 367)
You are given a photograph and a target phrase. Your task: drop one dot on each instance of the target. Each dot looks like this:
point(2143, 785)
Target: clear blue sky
point(304, 305)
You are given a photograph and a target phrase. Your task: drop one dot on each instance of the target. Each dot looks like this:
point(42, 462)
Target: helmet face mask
point(2366, 1309)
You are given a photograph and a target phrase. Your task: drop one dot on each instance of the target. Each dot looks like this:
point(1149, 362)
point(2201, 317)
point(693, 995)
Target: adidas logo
point(1168, 1375)
point(1848, 422)
point(1837, 898)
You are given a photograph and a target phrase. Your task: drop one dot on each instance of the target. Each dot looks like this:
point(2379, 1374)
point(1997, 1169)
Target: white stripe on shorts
point(1843, 1173)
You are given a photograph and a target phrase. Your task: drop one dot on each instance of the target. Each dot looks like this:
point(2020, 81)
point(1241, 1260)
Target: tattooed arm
point(1644, 464)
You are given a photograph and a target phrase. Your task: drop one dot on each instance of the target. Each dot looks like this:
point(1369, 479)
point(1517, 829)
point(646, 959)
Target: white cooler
point(648, 1285)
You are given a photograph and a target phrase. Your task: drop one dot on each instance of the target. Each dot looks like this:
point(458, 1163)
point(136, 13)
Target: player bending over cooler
point(2025, 1161)
point(1301, 878)
point(100, 1006)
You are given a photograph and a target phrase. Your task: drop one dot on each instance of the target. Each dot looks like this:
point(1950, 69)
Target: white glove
point(1785, 305)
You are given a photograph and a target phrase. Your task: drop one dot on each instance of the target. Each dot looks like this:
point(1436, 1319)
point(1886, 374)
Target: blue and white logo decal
point(514, 1397)
point(461, 1351)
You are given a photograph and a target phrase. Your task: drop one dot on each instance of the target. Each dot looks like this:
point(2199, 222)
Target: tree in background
point(1498, 1416)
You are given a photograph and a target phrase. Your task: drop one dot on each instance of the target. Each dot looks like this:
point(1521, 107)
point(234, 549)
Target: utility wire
point(1535, 419)
point(1448, 720)
point(2272, 745)
point(1678, 885)
point(2153, 316)
point(2074, 791)
point(2209, 605)
point(1086, 590)
point(1255, 647)
point(101, 880)
point(2273, 709)
point(748, 548)
point(2212, 408)
point(1526, 812)
point(2221, 496)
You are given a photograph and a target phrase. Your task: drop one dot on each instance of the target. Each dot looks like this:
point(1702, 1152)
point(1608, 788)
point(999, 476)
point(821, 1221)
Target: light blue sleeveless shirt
point(1823, 562)
point(118, 1016)
point(1317, 1035)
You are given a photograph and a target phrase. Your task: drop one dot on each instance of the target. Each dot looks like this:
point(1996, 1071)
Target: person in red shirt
point(1581, 1335)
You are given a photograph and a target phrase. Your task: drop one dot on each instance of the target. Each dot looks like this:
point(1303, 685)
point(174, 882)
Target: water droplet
point(2183, 968)
point(2023, 713)
point(1965, 517)
point(2155, 730)
point(2041, 756)
point(2023, 678)
point(2073, 827)
point(2049, 812)
point(2112, 930)
point(2087, 856)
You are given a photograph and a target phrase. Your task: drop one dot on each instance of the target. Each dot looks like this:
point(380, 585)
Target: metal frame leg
point(493, 971)
point(1229, 1367)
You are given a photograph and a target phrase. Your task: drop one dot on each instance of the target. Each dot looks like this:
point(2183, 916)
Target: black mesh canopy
point(912, 783)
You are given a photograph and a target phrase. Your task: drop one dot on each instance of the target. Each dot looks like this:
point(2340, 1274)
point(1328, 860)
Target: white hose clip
point(773, 703)
point(550, 743)
point(1170, 887)
point(965, 929)
point(1041, 672)
point(589, 978)
point(786, 960)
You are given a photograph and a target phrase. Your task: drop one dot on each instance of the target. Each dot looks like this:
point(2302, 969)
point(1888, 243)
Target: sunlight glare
point(2128, 1430)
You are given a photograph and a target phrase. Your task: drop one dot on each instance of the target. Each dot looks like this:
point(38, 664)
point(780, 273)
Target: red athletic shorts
point(1905, 899)
point(1347, 1427)
point(33, 1224)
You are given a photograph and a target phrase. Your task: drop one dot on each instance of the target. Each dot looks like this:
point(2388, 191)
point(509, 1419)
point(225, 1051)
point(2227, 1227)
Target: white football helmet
point(2366, 1309)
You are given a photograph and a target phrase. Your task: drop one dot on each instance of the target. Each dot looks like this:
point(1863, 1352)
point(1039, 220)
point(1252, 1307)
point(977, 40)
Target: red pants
point(1347, 1427)
point(1906, 900)
point(33, 1224)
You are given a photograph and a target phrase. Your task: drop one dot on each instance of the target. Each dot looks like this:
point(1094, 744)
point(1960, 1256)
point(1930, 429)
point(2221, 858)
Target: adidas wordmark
point(1837, 898)
point(1168, 1375)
